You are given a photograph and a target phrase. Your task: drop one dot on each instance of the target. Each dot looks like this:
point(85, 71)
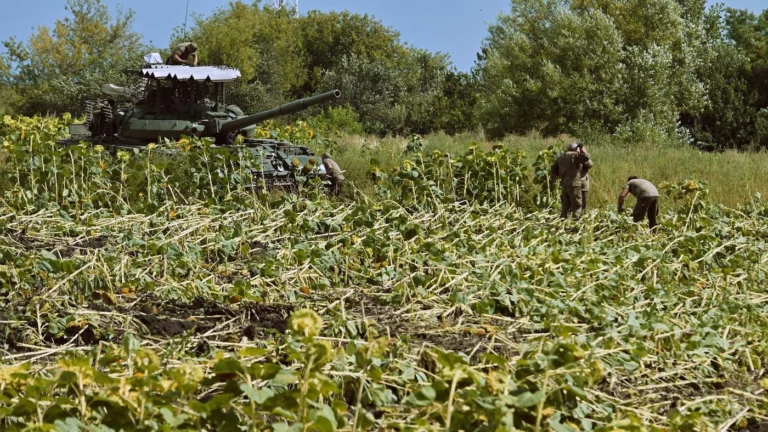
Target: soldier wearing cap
point(569, 167)
point(185, 53)
point(333, 173)
point(647, 200)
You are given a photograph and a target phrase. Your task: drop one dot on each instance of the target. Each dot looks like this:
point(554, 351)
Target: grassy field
point(142, 293)
point(732, 177)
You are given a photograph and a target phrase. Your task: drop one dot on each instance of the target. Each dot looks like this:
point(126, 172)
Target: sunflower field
point(156, 290)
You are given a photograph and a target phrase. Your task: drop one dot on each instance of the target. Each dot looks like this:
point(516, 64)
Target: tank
point(171, 102)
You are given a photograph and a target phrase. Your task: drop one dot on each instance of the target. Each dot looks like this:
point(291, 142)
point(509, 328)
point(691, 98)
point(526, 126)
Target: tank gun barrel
point(286, 109)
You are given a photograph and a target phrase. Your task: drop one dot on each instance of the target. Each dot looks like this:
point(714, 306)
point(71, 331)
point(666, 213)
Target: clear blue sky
point(455, 27)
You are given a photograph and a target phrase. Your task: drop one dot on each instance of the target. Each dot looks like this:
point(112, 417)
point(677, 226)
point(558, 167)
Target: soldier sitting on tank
point(184, 54)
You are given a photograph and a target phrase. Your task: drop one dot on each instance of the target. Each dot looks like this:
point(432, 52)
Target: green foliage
point(728, 120)
point(497, 176)
point(542, 61)
point(415, 145)
point(254, 393)
point(335, 120)
point(58, 68)
point(390, 87)
point(446, 303)
point(542, 177)
point(8, 100)
point(371, 89)
point(456, 108)
point(748, 33)
point(586, 66)
point(328, 38)
point(392, 99)
point(665, 71)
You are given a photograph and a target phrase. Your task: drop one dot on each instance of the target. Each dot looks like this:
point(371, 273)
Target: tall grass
point(733, 177)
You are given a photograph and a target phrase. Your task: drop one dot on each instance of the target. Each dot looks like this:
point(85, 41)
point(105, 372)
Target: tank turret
point(170, 102)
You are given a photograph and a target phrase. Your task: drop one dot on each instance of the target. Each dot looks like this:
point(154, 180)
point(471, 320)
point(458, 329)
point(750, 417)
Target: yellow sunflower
point(184, 144)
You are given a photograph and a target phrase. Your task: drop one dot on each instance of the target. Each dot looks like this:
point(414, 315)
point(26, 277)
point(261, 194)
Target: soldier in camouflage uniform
point(568, 167)
point(647, 200)
point(181, 55)
point(585, 180)
point(333, 173)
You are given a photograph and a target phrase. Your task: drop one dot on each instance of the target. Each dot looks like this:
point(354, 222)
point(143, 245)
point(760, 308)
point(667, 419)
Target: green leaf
point(219, 401)
point(325, 419)
point(494, 359)
point(227, 366)
point(631, 366)
point(24, 407)
point(528, 399)
point(200, 408)
point(131, 344)
point(565, 330)
point(554, 422)
point(450, 359)
point(425, 396)
point(257, 395)
point(69, 425)
point(576, 391)
point(366, 420)
point(67, 377)
point(172, 419)
point(285, 377)
point(265, 371)
point(284, 427)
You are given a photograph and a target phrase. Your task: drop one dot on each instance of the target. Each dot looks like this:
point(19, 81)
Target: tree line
point(668, 69)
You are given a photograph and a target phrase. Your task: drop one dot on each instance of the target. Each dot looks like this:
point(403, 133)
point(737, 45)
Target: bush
point(336, 120)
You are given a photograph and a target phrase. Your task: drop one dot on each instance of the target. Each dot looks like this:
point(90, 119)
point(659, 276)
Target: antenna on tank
point(291, 5)
point(186, 14)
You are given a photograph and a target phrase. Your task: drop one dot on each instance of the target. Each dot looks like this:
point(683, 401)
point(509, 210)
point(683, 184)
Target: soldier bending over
point(647, 200)
point(334, 174)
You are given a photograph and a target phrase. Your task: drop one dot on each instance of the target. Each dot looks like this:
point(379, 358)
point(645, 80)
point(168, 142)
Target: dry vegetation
point(434, 302)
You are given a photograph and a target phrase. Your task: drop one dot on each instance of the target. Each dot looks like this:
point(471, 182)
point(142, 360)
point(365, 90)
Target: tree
point(373, 90)
point(749, 33)
point(60, 67)
point(571, 66)
point(328, 38)
point(393, 88)
point(456, 107)
point(728, 119)
point(551, 68)
point(258, 41)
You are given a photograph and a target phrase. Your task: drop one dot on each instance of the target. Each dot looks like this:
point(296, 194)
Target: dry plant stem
point(449, 414)
point(359, 403)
